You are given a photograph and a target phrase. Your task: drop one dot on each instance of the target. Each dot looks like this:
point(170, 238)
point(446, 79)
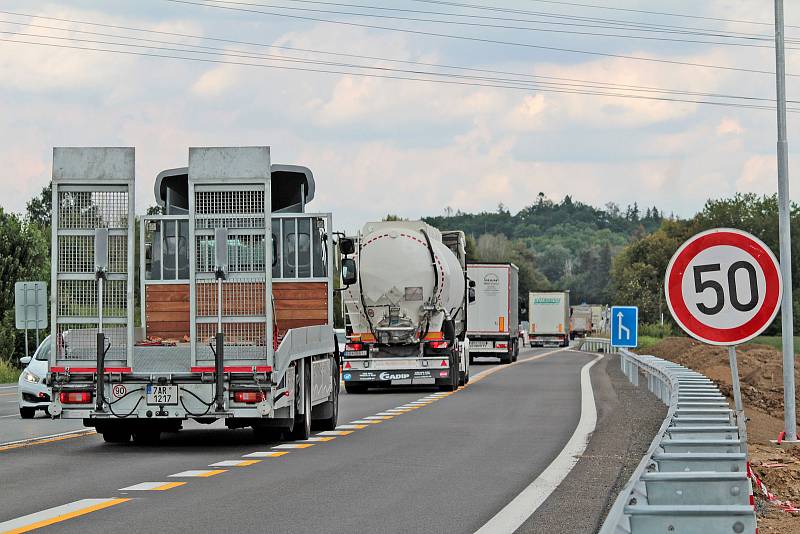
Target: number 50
point(701, 285)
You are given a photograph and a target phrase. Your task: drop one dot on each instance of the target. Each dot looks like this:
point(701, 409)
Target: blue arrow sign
point(624, 326)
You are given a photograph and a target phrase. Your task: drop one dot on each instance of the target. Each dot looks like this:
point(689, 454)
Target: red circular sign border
point(674, 278)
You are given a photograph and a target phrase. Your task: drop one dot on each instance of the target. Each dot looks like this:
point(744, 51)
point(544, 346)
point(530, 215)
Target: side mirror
point(349, 274)
point(25, 360)
point(347, 246)
point(472, 284)
point(471, 295)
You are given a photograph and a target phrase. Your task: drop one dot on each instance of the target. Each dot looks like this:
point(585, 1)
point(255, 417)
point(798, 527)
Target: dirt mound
point(761, 375)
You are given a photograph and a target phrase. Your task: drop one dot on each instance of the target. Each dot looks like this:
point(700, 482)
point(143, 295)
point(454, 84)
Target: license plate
point(481, 344)
point(351, 353)
point(162, 395)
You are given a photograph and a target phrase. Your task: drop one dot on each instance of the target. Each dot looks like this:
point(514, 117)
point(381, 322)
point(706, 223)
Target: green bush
point(8, 373)
point(656, 330)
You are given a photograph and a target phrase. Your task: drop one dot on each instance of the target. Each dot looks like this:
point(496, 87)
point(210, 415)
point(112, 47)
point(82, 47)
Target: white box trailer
point(493, 317)
point(549, 318)
point(236, 297)
point(580, 321)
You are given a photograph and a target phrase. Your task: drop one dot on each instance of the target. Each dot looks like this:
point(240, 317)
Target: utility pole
point(784, 214)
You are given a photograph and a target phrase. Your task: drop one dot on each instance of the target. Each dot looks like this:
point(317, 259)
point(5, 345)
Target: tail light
point(500, 345)
point(248, 397)
point(354, 346)
point(438, 344)
point(75, 397)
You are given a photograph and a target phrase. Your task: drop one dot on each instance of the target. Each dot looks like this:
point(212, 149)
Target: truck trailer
point(493, 317)
point(236, 283)
point(580, 321)
point(408, 309)
point(549, 318)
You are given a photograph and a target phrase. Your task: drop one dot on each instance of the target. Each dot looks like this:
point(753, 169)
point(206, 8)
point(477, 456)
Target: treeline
point(638, 271)
point(557, 245)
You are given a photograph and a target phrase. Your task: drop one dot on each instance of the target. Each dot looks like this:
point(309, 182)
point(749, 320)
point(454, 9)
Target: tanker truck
point(406, 304)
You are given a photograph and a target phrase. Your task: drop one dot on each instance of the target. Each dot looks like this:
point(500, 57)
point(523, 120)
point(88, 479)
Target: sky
point(410, 148)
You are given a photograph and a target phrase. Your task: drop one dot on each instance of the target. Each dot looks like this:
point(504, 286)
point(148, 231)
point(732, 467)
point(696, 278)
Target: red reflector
point(75, 397)
point(501, 345)
point(438, 344)
point(248, 397)
point(445, 364)
point(354, 346)
point(347, 365)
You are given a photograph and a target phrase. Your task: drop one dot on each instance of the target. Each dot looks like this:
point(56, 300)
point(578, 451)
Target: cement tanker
point(406, 308)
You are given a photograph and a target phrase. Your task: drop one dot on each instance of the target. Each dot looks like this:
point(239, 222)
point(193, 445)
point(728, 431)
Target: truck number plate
point(162, 395)
point(481, 344)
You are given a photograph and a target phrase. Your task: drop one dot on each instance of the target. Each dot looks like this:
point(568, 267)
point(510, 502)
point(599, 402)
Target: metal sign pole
point(741, 420)
point(787, 320)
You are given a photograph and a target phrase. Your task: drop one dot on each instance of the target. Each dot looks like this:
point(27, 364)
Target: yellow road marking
point(64, 517)
point(168, 485)
point(245, 463)
point(42, 441)
point(212, 473)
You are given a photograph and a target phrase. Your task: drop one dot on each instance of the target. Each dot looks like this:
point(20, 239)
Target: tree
point(39, 210)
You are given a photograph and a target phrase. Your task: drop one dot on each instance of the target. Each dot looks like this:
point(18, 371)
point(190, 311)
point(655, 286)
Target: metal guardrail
point(693, 478)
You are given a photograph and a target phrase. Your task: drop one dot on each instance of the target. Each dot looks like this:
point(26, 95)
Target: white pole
point(787, 320)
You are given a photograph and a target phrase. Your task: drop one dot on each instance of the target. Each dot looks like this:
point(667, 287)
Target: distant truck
point(580, 321)
point(549, 318)
point(407, 308)
point(599, 312)
point(493, 318)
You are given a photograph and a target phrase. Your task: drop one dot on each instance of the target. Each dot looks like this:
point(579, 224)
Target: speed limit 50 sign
point(723, 286)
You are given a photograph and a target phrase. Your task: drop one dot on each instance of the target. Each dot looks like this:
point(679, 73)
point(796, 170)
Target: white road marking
point(8, 387)
point(153, 486)
point(234, 463)
point(9, 416)
point(365, 422)
point(335, 433)
point(50, 436)
point(293, 446)
point(197, 473)
point(349, 427)
point(515, 513)
point(264, 454)
point(57, 514)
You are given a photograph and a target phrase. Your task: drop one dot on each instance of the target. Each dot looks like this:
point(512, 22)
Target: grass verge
point(8, 373)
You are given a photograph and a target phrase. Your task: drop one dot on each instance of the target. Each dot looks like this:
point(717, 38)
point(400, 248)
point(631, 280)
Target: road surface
point(446, 463)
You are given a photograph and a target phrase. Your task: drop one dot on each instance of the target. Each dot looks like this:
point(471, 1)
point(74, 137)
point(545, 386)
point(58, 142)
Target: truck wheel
point(355, 389)
point(116, 436)
point(27, 413)
point(516, 351)
point(329, 410)
point(508, 356)
point(301, 430)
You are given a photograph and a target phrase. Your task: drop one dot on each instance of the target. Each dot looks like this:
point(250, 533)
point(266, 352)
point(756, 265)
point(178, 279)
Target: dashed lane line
point(265, 454)
point(350, 427)
point(198, 473)
point(293, 446)
point(235, 463)
point(335, 433)
point(153, 486)
point(58, 514)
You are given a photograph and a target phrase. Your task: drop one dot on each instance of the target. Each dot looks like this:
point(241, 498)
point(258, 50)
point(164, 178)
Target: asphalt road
point(448, 465)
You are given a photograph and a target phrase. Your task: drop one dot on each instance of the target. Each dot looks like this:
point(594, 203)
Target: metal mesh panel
point(229, 209)
point(87, 210)
point(246, 253)
point(118, 254)
point(243, 341)
point(76, 253)
point(78, 298)
point(240, 298)
point(79, 342)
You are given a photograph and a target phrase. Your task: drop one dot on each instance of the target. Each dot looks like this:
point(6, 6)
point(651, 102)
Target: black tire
point(146, 436)
point(455, 373)
point(301, 429)
point(507, 357)
point(329, 411)
point(355, 389)
point(116, 436)
point(27, 413)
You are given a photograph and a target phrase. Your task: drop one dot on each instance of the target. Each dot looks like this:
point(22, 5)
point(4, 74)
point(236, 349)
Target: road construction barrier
point(694, 476)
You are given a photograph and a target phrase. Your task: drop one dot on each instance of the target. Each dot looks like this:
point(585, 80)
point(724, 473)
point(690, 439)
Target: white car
point(33, 393)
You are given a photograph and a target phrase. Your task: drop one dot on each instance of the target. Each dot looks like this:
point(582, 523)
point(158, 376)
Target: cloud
point(729, 126)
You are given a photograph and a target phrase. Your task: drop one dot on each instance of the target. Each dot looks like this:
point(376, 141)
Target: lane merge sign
point(723, 286)
point(624, 326)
